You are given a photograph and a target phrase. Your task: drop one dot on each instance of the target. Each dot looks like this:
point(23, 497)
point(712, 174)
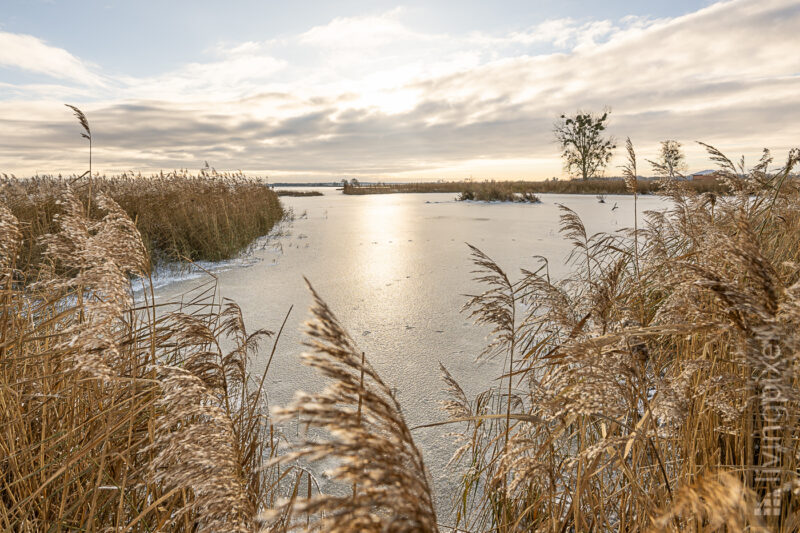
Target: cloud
point(372, 96)
point(563, 33)
point(361, 32)
point(237, 72)
point(31, 54)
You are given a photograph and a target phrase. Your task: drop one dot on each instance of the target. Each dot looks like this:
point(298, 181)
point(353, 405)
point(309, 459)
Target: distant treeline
point(308, 184)
point(590, 186)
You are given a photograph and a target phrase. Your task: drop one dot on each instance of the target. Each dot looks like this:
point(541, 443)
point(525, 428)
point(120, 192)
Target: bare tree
point(671, 161)
point(586, 151)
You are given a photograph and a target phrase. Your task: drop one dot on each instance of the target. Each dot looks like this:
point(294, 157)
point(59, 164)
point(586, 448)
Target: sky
point(378, 90)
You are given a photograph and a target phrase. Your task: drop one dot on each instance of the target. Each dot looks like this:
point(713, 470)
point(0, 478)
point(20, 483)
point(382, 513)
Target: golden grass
point(120, 414)
point(656, 388)
point(208, 216)
point(649, 368)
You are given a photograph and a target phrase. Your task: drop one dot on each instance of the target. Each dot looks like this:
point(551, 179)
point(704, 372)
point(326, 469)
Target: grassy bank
point(656, 388)
point(508, 188)
point(208, 216)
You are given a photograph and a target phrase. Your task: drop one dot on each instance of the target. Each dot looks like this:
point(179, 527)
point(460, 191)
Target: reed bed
point(118, 414)
point(654, 389)
point(205, 216)
point(508, 189)
point(493, 193)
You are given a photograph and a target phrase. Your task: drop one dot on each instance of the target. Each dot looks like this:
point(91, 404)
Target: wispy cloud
point(29, 53)
point(373, 96)
point(239, 73)
point(361, 33)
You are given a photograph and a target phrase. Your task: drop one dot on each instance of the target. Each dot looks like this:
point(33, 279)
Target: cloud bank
point(374, 97)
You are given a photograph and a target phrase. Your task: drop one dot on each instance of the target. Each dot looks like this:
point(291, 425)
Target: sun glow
point(385, 229)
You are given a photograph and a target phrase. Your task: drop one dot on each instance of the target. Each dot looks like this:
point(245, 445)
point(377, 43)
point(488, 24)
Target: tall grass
point(125, 415)
point(117, 414)
point(655, 388)
point(207, 216)
point(644, 383)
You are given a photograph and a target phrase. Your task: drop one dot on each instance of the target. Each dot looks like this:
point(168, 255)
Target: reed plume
point(632, 183)
point(713, 503)
point(368, 439)
point(651, 363)
point(87, 132)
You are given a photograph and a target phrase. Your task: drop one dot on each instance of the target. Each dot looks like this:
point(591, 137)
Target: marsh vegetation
point(179, 215)
point(652, 388)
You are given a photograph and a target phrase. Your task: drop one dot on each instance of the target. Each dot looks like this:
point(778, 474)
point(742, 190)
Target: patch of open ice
point(169, 273)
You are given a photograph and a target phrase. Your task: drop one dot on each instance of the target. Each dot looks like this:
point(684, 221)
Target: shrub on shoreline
point(495, 194)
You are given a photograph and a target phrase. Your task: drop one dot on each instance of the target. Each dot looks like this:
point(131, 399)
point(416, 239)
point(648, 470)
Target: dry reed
point(655, 388)
point(385, 484)
point(647, 368)
point(208, 216)
point(121, 415)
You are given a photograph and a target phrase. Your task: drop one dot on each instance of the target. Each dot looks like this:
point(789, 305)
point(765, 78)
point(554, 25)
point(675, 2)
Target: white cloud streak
point(28, 53)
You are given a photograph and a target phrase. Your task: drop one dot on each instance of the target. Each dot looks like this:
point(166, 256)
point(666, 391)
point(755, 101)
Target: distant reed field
point(284, 192)
point(656, 388)
point(206, 216)
point(508, 190)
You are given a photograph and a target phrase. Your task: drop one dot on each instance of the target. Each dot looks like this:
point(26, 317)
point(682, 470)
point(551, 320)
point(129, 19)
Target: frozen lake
point(395, 269)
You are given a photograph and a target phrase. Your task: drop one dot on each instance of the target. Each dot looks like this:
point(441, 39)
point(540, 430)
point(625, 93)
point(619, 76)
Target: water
point(395, 269)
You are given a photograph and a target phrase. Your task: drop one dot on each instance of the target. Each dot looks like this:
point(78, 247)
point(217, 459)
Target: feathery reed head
point(84, 122)
point(367, 438)
point(629, 169)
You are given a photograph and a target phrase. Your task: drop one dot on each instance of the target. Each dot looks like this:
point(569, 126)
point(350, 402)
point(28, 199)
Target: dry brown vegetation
point(491, 192)
point(204, 216)
point(656, 388)
point(121, 415)
point(509, 189)
point(660, 380)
